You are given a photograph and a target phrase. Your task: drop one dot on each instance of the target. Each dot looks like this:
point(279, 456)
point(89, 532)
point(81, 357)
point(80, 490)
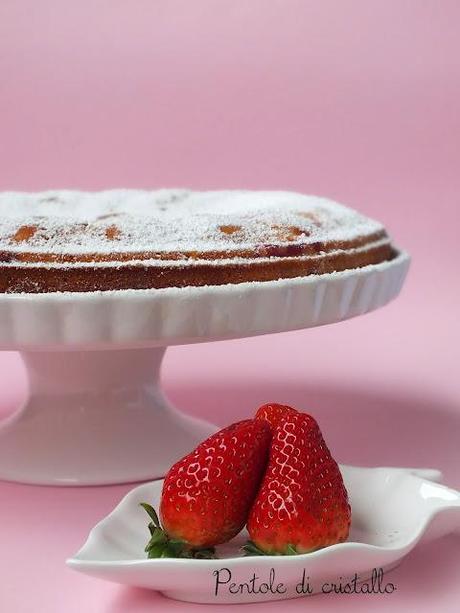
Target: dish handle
point(444, 503)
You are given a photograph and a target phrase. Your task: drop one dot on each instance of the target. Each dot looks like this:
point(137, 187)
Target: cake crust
point(130, 239)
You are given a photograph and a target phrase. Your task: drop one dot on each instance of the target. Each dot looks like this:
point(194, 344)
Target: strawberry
point(274, 413)
point(302, 503)
point(207, 495)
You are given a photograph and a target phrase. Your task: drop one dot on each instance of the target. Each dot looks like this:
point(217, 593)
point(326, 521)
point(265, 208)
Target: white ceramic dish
point(392, 510)
point(96, 416)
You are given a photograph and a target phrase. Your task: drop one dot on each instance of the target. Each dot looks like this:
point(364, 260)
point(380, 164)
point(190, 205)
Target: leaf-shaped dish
point(392, 509)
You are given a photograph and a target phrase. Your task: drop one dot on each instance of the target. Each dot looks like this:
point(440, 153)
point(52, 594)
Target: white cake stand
point(95, 412)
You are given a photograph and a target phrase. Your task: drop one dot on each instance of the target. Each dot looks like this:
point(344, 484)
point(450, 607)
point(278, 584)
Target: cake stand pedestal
point(95, 417)
point(95, 413)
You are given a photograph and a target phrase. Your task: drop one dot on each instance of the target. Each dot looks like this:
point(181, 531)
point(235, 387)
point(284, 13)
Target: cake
point(75, 241)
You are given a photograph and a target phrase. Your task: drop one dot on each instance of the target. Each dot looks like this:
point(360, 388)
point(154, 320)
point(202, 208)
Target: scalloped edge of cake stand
point(178, 316)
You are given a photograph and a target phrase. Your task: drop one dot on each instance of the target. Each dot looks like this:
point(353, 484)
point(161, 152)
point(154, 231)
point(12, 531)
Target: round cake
point(75, 241)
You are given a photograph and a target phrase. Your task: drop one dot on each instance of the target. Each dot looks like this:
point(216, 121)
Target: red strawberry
point(274, 413)
point(302, 504)
point(207, 495)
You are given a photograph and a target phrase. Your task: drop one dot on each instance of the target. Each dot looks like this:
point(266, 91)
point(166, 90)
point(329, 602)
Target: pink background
point(356, 100)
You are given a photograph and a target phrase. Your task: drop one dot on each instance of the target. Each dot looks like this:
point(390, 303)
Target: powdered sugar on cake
point(167, 221)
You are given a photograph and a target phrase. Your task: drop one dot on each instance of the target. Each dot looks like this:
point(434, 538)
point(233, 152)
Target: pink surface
point(358, 101)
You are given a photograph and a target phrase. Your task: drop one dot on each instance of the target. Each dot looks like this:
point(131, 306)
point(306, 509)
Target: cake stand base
point(93, 418)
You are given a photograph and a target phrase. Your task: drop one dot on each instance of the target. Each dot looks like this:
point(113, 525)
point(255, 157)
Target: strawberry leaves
point(155, 523)
point(161, 545)
point(251, 549)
